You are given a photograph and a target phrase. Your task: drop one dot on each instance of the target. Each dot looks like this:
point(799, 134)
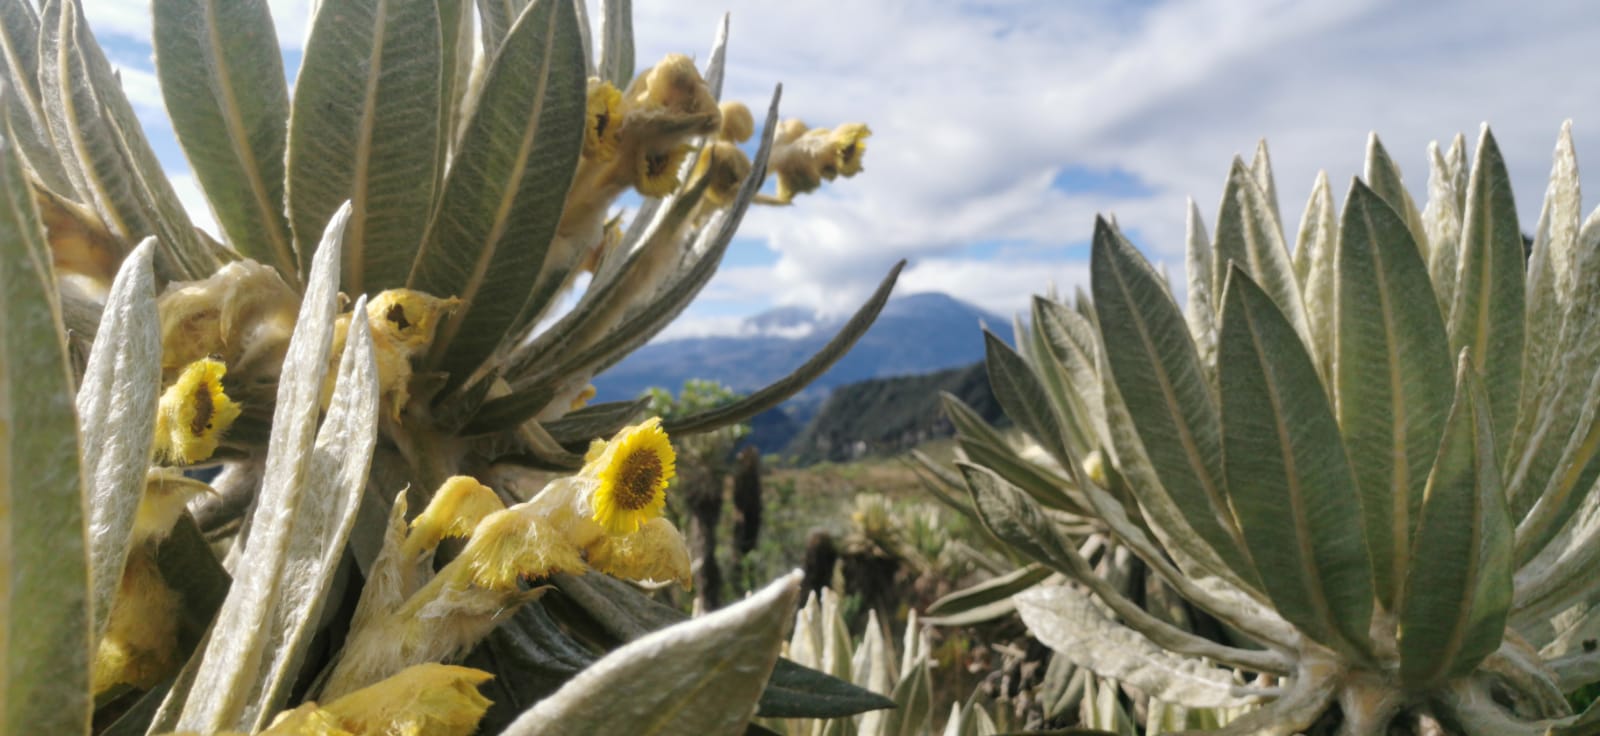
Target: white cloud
point(194, 201)
point(975, 110)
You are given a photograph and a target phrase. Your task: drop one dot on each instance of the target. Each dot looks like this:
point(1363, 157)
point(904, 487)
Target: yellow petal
point(849, 142)
point(600, 135)
point(512, 544)
point(166, 493)
point(457, 507)
point(140, 646)
point(655, 552)
point(656, 170)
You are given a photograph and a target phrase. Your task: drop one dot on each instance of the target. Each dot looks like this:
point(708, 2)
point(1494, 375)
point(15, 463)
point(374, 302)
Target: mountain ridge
point(915, 334)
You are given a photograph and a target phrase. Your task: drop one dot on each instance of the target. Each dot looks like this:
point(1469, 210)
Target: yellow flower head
point(737, 122)
point(849, 145)
point(140, 646)
point(433, 699)
point(656, 170)
point(600, 135)
point(513, 544)
point(675, 86)
point(194, 413)
point(581, 399)
point(244, 312)
point(407, 318)
point(633, 473)
point(727, 166)
point(457, 507)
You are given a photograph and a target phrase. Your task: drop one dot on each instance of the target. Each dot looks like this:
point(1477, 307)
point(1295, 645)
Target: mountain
point(915, 334)
point(890, 415)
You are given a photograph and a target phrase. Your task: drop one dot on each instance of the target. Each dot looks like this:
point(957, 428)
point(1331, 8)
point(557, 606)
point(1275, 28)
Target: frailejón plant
point(375, 332)
point(1373, 457)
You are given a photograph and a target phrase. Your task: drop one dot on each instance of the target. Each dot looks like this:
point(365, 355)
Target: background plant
point(1370, 458)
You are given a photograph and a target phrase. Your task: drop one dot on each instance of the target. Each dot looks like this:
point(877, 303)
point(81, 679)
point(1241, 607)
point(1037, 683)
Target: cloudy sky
point(1002, 128)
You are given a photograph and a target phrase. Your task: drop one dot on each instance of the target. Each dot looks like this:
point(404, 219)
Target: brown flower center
point(397, 315)
point(203, 409)
point(636, 480)
point(655, 164)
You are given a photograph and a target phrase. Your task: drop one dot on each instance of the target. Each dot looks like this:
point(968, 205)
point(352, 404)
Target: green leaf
point(600, 421)
point(94, 125)
point(1250, 235)
point(222, 80)
point(1157, 371)
point(780, 390)
point(1453, 608)
point(802, 692)
point(989, 591)
point(1200, 305)
point(495, 18)
point(1071, 354)
point(1261, 171)
point(311, 483)
point(1442, 221)
point(1384, 177)
point(44, 585)
point(1288, 476)
point(616, 42)
point(1024, 399)
point(1015, 518)
point(1315, 254)
point(794, 691)
point(1486, 315)
point(1392, 380)
point(506, 187)
point(1068, 621)
point(20, 105)
point(361, 128)
point(721, 663)
point(116, 404)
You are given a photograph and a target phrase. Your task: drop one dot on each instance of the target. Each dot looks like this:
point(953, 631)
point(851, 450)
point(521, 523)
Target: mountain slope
point(889, 415)
point(915, 334)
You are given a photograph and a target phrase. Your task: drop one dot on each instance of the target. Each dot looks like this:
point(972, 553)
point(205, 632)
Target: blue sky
point(1001, 129)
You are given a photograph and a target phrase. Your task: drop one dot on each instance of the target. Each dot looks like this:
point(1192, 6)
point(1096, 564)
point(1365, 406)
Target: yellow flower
point(633, 473)
point(403, 323)
point(140, 646)
point(244, 313)
point(581, 399)
point(802, 159)
point(849, 145)
point(422, 700)
point(737, 122)
point(407, 318)
point(727, 166)
point(674, 93)
point(457, 507)
point(656, 170)
point(431, 699)
point(194, 413)
point(600, 135)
